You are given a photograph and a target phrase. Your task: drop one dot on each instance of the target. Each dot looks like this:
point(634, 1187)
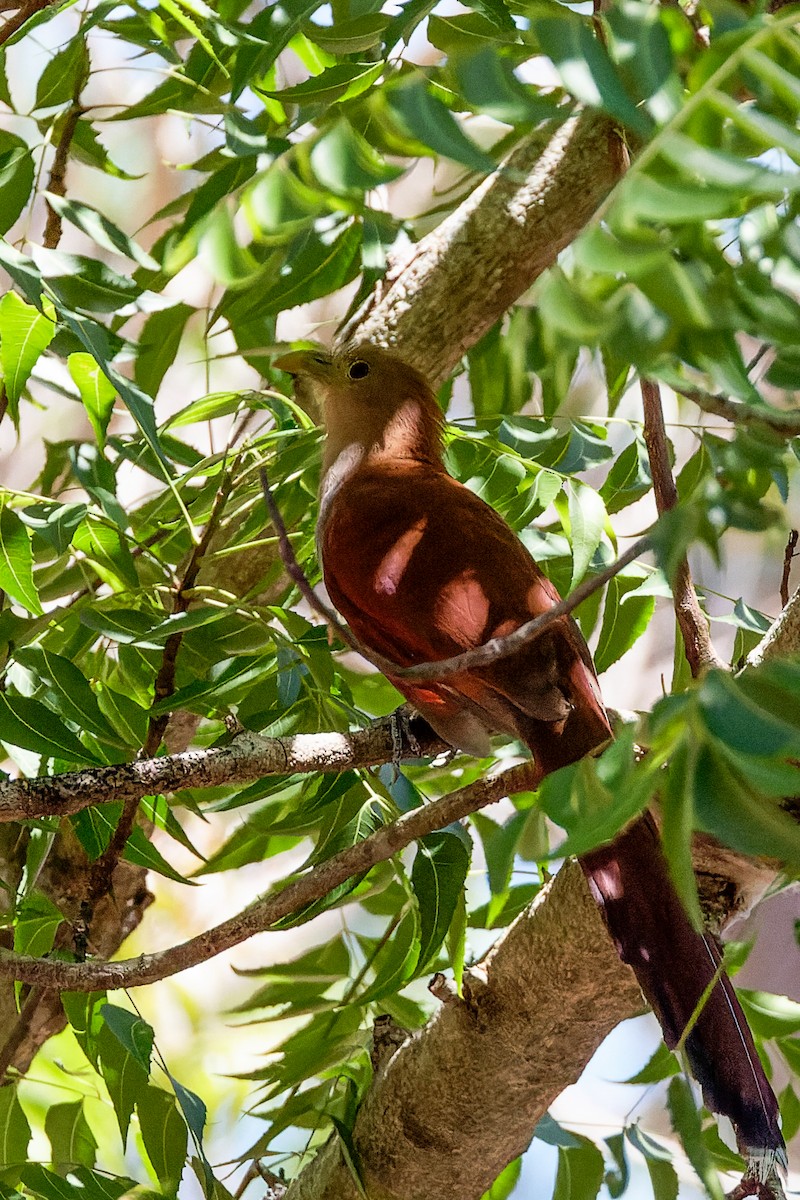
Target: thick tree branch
point(248, 757)
point(493, 247)
point(289, 901)
point(462, 1097)
point(693, 624)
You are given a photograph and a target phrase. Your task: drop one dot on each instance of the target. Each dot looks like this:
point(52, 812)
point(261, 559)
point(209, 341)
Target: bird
point(423, 569)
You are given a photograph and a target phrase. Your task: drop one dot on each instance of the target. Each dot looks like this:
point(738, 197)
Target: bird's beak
point(302, 362)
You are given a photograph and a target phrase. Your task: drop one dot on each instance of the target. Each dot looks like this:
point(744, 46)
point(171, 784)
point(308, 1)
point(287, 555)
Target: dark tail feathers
point(674, 964)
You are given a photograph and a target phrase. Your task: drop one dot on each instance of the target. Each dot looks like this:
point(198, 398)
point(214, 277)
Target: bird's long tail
point(675, 965)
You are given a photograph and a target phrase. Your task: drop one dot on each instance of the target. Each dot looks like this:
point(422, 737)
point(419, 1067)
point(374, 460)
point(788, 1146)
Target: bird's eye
point(358, 369)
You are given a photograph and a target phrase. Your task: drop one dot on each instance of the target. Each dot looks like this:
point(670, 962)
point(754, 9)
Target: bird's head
point(370, 398)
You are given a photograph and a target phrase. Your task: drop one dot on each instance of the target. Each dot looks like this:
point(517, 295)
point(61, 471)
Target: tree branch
point(786, 424)
point(700, 652)
point(289, 901)
point(248, 757)
point(493, 247)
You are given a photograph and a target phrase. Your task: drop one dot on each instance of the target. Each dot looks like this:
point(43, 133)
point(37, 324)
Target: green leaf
point(36, 925)
point(663, 1177)
point(63, 77)
point(488, 83)
point(141, 851)
point(729, 807)
point(587, 520)
point(625, 618)
point(76, 699)
point(429, 120)
point(131, 1032)
point(195, 1114)
point(736, 721)
point(345, 162)
point(25, 334)
point(165, 1136)
point(207, 408)
point(585, 67)
point(15, 1134)
point(580, 1171)
point(339, 83)
point(503, 1187)
point(686, 1123)
point(16, 561)
point(97, 393)
point(86, 283)
point(83, 1013)
point(395, 961)
point(319, 268)
point(349, 37)
point(71, 1139)
point(437, 877)
point(29, 724)
point(102, 231)
point(103, 546)
point(125, 1078)
point(629, 478)
point(16, 178)
point(158, 345)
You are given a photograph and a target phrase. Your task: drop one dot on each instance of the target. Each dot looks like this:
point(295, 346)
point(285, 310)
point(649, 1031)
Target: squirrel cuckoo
point(422, 569)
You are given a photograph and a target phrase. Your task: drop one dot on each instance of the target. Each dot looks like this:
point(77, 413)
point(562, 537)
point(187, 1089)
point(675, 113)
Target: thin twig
point(786, 424)
point(16, 22)
point(787, 566)
point(102, 869)
point(698, 647)
point(290, 900)
point(480, 656)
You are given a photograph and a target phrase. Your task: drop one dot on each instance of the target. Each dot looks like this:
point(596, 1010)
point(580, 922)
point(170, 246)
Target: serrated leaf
point(103, 546)
point(686, 1123)
point(62, 78)
point(158, 345)
point(437, 877)
point(15, 1134)
point(102, 231)
point(165, 1136)
point(349, 37)
point(124, 1077)
point(344, 161)
point(338, 83)
point(36, 925)
point(71, 1139)
point(320, 267)
point(16, 178)
point(27, 723)
point(429, 120)
point(207, 408)
point(86, 283)
point(97, 393)
point(25, 333)
point(16, 562)
point(625, 618)
point(141, 851)
point(395, 961)
point(580, 1171)
point(131, 1032)
point(585, 67)
point(587, 519)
